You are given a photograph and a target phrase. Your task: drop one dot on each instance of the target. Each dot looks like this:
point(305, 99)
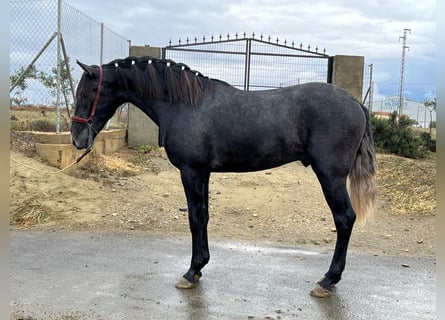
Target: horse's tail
point(362, 184)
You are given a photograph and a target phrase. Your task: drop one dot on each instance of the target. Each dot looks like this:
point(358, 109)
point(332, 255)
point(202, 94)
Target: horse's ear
point(86, 68)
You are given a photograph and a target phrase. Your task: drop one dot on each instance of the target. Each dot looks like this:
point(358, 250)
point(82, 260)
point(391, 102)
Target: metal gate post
point(330, 71)
point(247, 64)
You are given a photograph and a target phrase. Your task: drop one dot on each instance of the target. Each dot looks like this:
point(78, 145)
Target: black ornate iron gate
point(252, 63)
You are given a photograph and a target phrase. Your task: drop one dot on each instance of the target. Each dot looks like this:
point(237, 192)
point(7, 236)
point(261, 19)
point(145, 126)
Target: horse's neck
point(161, 111)
point(151, 110)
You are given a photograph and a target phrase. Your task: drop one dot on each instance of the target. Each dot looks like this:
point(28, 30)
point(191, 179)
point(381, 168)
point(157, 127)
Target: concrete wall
point(58, 151)
point(140, 51)
point(141, 130)
point(347, 72)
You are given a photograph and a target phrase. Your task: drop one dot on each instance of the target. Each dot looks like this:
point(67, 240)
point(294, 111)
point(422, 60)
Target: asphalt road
point(80, 275)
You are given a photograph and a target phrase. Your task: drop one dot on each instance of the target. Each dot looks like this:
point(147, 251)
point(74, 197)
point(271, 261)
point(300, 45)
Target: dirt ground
point(140, 191)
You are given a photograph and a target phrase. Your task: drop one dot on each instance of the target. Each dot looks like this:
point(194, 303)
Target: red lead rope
point(96, 101)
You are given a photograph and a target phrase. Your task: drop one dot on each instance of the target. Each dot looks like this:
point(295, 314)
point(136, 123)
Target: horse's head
point(96, 102)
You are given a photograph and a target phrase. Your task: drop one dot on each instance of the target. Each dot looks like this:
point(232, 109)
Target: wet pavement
point(80, 275)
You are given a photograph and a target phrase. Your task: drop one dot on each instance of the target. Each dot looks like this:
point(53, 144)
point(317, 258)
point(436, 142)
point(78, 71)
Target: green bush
point(428, 142)
point(397, 137)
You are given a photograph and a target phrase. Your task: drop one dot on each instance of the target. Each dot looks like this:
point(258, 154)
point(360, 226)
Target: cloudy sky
point(367, 28)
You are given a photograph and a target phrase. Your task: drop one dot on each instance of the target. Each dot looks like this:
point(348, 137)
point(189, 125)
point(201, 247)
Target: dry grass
point(115, 164)
point(409, 185)
point(37, 119)
point(44, 119)
point(30, 213)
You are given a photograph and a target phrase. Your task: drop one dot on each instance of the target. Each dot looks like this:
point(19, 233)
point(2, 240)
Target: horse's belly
point(255, 162)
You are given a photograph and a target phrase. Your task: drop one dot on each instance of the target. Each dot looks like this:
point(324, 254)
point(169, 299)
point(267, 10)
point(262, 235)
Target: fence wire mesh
point(34, 29)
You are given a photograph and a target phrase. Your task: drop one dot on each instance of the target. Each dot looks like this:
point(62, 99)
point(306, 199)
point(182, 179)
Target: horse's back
point(295, 112)
point(316, 98)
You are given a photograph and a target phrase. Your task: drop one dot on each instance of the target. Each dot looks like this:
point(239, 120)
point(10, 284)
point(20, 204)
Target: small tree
point(18, 98)
point(50, 81)
point(430, 105)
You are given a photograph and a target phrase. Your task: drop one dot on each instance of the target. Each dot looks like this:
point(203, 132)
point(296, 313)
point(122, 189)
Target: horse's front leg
point(196, 187)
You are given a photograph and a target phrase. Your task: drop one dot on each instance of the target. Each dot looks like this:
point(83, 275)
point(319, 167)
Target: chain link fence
point(46, 39)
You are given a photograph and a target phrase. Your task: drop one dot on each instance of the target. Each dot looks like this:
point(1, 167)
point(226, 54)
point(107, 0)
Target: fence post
point(59, 66)
point(247, 64)
point(101, 59)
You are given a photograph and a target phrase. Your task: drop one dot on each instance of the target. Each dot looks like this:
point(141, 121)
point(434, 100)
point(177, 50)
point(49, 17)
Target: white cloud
point(369, 28)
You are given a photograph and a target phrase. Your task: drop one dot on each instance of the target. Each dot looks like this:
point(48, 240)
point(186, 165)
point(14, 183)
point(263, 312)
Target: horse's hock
point(58, 151)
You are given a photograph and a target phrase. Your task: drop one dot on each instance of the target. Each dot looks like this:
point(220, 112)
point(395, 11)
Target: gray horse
point(206, 125)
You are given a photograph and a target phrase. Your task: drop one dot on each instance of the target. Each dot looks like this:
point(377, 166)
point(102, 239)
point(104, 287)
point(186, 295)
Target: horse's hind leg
point(337, 197)
point(196, 187)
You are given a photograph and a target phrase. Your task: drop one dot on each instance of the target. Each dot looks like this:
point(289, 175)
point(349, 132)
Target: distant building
point(414, 110)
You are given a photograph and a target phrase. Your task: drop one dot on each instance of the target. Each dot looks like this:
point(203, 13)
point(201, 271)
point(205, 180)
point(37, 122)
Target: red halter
point(96, 101)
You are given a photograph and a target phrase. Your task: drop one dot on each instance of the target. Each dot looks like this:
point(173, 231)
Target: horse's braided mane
point(161, 79)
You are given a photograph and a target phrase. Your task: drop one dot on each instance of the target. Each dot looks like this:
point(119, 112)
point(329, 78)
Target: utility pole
point(402, 70)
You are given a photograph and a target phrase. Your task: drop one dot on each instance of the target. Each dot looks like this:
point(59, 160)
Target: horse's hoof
point(320, 292)
point(184, 284)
